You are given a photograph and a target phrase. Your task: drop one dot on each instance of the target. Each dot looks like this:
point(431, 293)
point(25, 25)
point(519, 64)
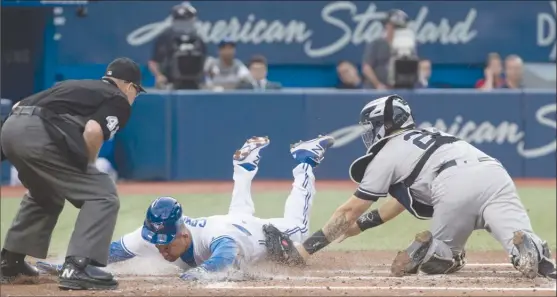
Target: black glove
point(280, 247)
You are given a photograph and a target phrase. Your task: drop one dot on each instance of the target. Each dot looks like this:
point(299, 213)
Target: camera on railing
point(404, 58)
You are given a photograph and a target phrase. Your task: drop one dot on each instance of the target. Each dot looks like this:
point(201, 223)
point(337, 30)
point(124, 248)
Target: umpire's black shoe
point(13, 265)
point(77, 274)
point(409, 260)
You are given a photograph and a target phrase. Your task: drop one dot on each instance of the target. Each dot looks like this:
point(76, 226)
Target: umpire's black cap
point(125, 69)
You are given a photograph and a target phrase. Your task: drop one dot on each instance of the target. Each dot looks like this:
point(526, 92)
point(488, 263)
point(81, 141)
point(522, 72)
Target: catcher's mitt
point(280, 247)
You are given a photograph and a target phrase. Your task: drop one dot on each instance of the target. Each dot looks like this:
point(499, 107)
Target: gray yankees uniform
point(465, 188)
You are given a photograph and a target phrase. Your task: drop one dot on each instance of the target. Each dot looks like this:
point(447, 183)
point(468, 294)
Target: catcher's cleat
point(312, 151)
point(77, 274)
point(546, 267)
point(13, 266)
point(248, 156)
point(527, 259)
point(409, 260)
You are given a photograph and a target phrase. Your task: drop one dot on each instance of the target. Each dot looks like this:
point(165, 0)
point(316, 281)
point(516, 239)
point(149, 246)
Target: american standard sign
point(480, 132)
point(320, 31)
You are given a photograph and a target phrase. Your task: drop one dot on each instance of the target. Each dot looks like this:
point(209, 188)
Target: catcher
point(434, 176)
point(204, 245)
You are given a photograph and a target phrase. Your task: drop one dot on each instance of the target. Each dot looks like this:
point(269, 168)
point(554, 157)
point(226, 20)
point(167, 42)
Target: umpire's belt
point(453, 163)
point(68, 137)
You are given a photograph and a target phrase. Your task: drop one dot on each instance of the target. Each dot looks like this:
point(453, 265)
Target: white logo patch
point(112, 125)
point(67, 273)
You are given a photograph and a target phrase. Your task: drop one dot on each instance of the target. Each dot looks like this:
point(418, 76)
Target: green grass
point(540, 202)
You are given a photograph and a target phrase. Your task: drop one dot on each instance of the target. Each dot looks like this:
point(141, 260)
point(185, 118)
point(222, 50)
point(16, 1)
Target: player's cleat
point(48, 268)
point(546, 267)
point(13, 266)
point(77, 274)
point(527, 259)
point(248, 156)
point(409, 260)
point(312, 151)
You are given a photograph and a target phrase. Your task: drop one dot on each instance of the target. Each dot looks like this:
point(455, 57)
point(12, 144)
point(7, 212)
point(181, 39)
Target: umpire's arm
point(93, 136)
point(112, 115)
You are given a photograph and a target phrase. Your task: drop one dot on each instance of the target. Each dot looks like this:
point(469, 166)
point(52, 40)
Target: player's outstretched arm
point(223, 254)
point(338, 224)
point(384, 213)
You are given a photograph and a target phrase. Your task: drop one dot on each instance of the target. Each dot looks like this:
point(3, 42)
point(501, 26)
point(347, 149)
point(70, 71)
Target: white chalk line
point(422, 277)
point(232, 286)
point(372, 271)
point(467, 265)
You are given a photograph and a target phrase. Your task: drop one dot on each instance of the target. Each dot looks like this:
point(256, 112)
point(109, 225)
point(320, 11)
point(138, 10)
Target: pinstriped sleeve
point(378, 177)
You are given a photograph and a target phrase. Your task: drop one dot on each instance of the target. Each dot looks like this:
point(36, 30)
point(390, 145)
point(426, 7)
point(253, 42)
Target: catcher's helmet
point(162, 220)
point(381, 117)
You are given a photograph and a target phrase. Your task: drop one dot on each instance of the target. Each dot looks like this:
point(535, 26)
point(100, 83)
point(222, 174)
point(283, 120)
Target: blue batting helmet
point(161, 223)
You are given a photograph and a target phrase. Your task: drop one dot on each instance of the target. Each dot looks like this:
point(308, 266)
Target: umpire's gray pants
point(50, 180)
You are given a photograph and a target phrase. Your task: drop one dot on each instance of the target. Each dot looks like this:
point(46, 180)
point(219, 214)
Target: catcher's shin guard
point(409, 260)
point(442, 264)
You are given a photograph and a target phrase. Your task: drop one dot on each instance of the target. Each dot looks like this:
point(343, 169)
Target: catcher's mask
point(383, 116)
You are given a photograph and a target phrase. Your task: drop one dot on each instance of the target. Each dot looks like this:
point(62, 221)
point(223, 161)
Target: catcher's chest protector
point(401, 191)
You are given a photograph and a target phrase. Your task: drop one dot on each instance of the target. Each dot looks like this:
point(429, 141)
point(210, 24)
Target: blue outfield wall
point(192, 135)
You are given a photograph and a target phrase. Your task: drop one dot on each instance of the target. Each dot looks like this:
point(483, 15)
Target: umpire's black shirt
point(98, 100)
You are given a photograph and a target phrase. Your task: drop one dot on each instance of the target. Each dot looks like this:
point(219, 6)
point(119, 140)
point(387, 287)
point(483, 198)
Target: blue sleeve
point(118, 252)
point(223, 253)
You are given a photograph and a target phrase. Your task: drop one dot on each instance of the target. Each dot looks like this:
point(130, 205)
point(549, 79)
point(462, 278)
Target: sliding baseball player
point(205, 245)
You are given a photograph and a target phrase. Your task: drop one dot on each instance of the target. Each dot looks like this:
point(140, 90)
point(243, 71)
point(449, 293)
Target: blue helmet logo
point(162, 220)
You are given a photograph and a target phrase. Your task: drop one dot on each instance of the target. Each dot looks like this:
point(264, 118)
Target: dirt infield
point(362, 273)
point(328, 274)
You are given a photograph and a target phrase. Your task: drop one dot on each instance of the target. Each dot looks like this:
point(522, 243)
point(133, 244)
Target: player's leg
point(297, 208)
point(441, 250)
point(506, 219)
point(246, 162)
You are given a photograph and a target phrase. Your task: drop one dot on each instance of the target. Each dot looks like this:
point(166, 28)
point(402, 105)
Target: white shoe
point(311, 151)
point(248, 156)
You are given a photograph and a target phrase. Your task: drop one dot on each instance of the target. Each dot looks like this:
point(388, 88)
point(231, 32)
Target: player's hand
point(194, 274)
point(353, 230)
point(302, 252)
point(48, 268)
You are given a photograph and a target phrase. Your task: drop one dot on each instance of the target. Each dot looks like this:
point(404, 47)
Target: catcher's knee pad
point(441, 260)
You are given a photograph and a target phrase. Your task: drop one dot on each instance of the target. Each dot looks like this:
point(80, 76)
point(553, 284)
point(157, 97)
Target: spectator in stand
point(513, 72)
point(348, 76)
point(424, 74)
point(226, 72)
point(493, 78)
point(179, 53)
point(258, 78)
point(378, 54)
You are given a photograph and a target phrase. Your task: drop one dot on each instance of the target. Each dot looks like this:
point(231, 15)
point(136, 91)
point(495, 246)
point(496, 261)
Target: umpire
point(53, 138)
